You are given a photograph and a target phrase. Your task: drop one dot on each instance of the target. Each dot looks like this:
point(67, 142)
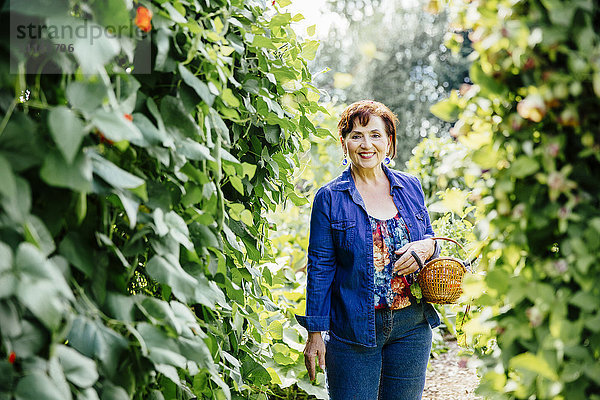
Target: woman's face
point(368, 145)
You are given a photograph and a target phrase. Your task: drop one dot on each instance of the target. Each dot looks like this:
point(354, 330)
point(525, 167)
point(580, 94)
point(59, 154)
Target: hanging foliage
point(531, 122)
point(135, 170)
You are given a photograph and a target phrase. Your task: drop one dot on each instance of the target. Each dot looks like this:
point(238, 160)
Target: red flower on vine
point(143, 19)
point(104, 139)
point(12, 357)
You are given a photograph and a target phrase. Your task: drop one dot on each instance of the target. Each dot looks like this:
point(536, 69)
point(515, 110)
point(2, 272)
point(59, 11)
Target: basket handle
point(417, 258)
point(466, 262)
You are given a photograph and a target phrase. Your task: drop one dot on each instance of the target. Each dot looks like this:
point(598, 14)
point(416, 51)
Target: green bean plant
point(133, 205)
point(530, 122)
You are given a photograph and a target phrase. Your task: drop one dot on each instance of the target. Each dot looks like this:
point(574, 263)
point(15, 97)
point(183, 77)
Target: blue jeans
point(394, 370)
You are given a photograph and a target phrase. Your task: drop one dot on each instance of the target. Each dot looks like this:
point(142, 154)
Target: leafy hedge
point(133, 206)
point(447, 175)
point(531, 122)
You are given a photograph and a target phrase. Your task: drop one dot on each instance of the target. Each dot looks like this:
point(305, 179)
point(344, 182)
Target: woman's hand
point(315, 347)
point(407, 264)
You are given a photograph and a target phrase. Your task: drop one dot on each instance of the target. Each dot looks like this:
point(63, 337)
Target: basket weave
point(441, 279)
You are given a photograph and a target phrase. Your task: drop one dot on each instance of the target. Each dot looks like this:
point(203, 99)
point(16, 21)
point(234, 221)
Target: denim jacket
point(340, 283)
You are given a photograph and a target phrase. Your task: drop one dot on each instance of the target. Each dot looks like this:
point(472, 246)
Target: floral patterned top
point(391, 290)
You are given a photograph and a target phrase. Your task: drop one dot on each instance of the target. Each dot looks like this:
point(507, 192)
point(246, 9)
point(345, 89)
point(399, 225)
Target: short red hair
point(363, 110)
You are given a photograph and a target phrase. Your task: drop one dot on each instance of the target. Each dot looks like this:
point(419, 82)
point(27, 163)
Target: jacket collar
point(346, 182)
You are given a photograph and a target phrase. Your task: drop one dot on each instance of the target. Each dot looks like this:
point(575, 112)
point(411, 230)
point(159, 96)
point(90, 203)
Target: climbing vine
point(136, 174)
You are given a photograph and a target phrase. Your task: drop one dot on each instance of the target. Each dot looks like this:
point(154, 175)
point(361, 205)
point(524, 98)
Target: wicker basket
point(441, 279)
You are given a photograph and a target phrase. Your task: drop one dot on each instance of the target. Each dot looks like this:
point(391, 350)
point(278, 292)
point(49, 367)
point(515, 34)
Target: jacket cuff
point(313, 323)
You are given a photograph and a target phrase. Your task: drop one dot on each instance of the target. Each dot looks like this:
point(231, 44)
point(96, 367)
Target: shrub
point(133, 206)
point(530, 123)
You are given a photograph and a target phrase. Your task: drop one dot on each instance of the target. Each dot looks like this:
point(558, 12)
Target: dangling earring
point(387, 160)
point(345, 161)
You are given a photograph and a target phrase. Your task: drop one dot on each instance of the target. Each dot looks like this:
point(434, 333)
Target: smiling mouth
point(366, 155)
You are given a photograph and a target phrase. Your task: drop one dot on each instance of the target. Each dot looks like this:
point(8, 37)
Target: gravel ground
point(449, 377)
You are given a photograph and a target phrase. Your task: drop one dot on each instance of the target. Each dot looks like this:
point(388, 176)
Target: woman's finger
point(404, 248)
point(406, 266)
point(321, 355)
point(407, 270)
point(404, 261)
point(309, 361)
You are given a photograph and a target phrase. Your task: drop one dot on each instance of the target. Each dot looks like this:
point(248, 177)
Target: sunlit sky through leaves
point(316, 12)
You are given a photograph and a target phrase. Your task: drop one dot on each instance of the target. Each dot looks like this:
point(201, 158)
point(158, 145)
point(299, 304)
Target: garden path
point(449, 377)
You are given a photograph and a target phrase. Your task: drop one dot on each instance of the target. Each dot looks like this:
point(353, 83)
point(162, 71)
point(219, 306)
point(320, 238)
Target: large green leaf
point(177, 120)
point(86, 96)
point(77, 175)
point(196, 350)
point(113, 175)
point(531, 362)
point(41, 298)
point(21, 144)
point(262, 41)
point(78, 369)
point(171, 273)
point(184, 286)
point(193, 150)
point(6, 257)
point(319, 391)
point(88, 394)
point(9, 319)
point(37, 234)
point(173, 13)
point(200, 87)
point(31, 261)
point(67, 131)
point(203, 236)
point(159, 312)
point(272, 133)
point(130, 205)
point(30, 341)
point(487, 83)
point(41, 286)
point(115, 126)
point(74, 249)
point(446, 110)
point(162, 349)
point(19, 206)
point(91, 50)
point(254, 371)
point(152, 135)
point(37, 385)
point(113, 392)
point(309, 49)
point(113, 13)
point(9, 184)
point(524, 166)
point(178, 229)
point(94, 340)
point(218, 125)
point(560, 13)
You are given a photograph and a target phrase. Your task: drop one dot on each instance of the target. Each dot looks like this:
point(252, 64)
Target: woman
point(366, 330)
